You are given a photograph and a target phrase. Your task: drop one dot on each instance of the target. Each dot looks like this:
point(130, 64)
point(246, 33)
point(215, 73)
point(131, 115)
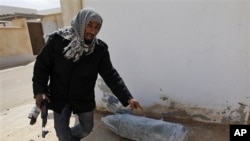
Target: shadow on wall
point(110, 101)
point(14, 61)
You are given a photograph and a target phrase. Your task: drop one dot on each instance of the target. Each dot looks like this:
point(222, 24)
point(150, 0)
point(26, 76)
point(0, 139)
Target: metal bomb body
point(144, 129)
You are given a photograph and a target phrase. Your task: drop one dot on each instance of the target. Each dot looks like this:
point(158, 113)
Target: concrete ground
point(16, 102)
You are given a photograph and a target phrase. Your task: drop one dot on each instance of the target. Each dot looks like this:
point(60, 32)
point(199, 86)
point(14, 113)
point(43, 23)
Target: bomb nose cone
point(112, 122)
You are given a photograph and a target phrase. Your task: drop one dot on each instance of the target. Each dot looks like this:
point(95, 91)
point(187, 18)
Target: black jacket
point(73, 83)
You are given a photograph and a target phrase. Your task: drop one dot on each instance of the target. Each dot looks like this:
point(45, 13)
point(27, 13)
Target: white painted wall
point(188, 55)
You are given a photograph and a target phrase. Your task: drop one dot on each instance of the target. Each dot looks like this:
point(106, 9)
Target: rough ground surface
point(199, 131)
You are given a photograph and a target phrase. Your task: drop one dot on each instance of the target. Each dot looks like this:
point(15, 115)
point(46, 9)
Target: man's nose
point(93, 31)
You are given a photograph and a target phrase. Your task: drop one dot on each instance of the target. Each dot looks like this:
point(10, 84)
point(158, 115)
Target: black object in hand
point(44, 115)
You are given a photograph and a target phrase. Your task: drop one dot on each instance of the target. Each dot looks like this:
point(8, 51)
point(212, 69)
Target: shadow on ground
point(9, 66)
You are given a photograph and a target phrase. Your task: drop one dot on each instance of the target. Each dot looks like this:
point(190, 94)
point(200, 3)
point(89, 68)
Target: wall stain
point(110, 100)
point(170, 108)
point(235, 116)
point(248, 120)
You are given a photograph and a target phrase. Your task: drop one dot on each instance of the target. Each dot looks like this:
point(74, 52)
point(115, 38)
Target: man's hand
point(134, 104)
point(39, 98)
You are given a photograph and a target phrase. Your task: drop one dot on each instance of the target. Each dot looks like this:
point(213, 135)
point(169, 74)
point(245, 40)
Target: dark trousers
point(76, 133)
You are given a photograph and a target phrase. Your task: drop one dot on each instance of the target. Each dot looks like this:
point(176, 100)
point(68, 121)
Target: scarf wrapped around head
point(75, 33)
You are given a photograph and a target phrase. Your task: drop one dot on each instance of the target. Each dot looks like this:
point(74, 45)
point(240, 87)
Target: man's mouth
point(90, 36)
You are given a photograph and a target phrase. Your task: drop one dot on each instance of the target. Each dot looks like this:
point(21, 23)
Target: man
point(66, 71)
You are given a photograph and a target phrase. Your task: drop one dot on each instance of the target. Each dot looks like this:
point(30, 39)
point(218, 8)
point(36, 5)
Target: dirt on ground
point(199, 131)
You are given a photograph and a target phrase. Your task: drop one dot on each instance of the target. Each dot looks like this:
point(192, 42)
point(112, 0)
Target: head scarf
point(75, 33)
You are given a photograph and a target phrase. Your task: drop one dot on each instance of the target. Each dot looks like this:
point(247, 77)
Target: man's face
point(91, 30)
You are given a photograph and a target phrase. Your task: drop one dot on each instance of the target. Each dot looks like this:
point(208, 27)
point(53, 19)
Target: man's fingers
point(47, 98)
point(140, 107)
point(135, 105)
point(38, 103)
point(40, 98)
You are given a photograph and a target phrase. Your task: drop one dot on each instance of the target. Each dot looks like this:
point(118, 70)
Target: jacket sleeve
point(113, 80)
point(42, 68)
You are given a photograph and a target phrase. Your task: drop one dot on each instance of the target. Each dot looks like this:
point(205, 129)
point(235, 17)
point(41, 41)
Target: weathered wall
point(52, 23)
point(15, 40)
point(15, 46)
point(180, 58)
point(69, 10)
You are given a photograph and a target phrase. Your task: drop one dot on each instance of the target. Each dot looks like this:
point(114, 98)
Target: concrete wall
point(182, 58)
point(52, 23)
point(69, 10)
point(15, 46)
point(52, 20)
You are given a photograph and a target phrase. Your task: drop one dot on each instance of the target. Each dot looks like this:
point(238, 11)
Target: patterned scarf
point(75, 33)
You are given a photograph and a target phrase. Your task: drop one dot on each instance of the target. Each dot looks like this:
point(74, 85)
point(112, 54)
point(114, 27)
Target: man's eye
point(97, 27)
